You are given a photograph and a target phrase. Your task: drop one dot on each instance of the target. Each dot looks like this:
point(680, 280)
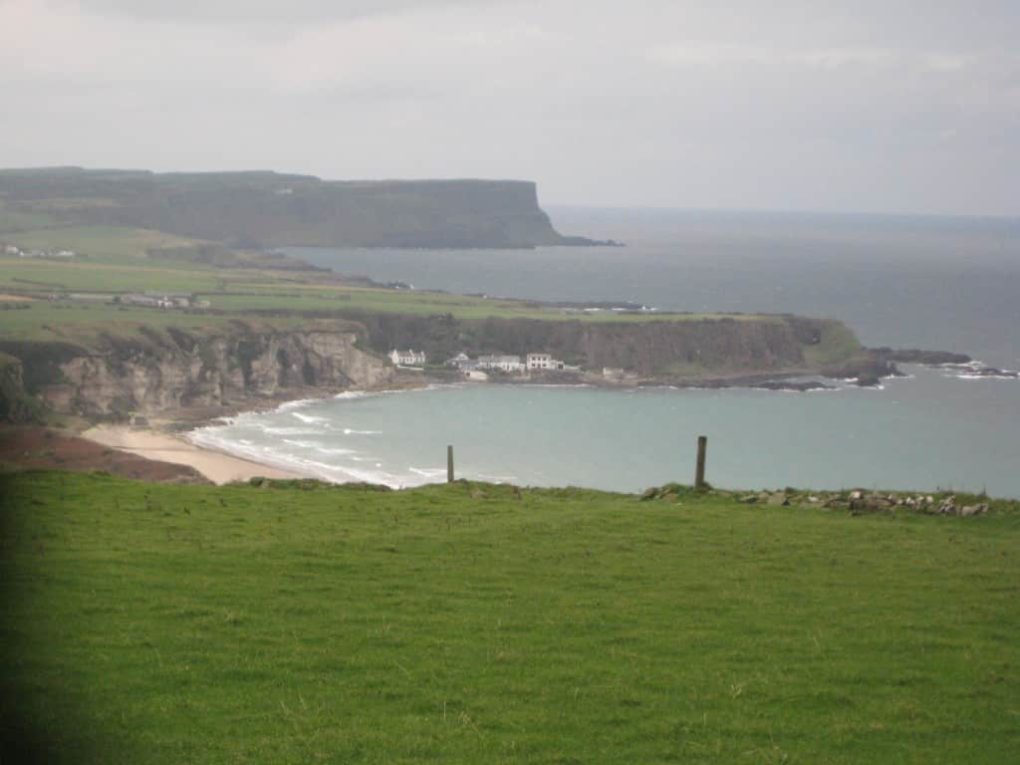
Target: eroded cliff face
point(175, 370)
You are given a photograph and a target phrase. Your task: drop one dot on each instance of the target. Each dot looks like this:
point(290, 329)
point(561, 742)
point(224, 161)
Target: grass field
point(117, 261)
point(478, 624)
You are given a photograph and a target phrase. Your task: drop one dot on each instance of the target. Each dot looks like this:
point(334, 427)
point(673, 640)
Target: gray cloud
point(808, 105)
point(293, 12)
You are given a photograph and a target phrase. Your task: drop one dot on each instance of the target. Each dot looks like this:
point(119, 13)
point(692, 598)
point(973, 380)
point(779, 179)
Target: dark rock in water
point(868, 371)
point(981, 371)
point(917, 356)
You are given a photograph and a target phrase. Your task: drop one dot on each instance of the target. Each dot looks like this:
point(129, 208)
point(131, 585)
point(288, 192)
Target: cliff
point(166, 371)
point(16, 406)
point(664, 350)
point(266, 209)
point(241, 362)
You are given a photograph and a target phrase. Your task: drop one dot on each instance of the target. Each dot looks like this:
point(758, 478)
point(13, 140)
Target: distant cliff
point(267, 209)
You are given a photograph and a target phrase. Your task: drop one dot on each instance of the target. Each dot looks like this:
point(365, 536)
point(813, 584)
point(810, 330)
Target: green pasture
point(482, 624)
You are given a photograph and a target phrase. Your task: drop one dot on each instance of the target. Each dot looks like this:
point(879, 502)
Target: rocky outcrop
point(173, 370)
point(16, 405)
point(918, 356)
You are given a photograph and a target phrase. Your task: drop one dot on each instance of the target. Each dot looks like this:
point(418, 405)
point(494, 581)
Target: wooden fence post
point(699, 473)
point(449, 464)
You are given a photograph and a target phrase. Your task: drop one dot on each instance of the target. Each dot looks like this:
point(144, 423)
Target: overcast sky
point(857, 106)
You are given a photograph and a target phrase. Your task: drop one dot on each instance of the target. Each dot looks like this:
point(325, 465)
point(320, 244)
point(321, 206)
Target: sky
point(900, 106)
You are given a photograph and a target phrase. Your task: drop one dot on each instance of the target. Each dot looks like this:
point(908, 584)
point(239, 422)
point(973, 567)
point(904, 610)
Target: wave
point(271, 456)
point(286, 431)
point(429, 472)
point(301, 444)
point(353, 432)
point(336, 451)
point(307, 418)
point(296, 404)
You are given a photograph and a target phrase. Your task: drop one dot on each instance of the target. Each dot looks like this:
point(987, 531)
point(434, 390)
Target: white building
point(542, 361)
point(509, 364)
point(408, 358)
point(460, 361)
point(539, 361)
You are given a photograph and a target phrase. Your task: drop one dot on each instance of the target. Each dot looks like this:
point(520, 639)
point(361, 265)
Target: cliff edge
point(268, 209)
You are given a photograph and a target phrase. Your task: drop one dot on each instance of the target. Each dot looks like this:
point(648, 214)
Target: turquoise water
point(941, 283)
point(925, 432)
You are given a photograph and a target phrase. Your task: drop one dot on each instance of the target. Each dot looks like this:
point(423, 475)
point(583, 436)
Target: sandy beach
point(217, 467)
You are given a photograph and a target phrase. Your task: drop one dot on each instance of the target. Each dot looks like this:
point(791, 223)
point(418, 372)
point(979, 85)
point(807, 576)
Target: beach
point(145, 442)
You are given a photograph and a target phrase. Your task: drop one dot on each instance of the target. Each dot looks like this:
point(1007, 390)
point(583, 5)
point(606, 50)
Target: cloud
point(243, 12)
point(652, 103)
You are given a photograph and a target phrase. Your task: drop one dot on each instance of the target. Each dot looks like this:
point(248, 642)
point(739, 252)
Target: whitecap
point(301, 444)
point(296, 404)
point(287, 431)
point(435, 473)
point(308, 418)
point(329, 450)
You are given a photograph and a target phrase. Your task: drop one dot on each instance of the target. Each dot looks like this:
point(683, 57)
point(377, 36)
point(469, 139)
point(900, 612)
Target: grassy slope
point(194, 624)
point(117, 261)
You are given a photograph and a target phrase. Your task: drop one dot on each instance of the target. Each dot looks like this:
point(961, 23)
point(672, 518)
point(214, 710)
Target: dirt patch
point(36, 447)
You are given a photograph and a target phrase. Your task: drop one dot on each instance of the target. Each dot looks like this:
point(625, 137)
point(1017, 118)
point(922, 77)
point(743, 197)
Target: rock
point(212, 368)
point(779, 499)
point(856, 495)
point(749, 499)
point(948, 506)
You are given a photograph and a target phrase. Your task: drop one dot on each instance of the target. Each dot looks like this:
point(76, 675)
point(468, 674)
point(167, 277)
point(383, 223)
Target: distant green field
point(117, 261)
point(476, 624)
point(101, 244)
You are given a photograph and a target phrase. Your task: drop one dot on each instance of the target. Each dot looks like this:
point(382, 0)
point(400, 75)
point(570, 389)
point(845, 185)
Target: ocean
point(936, 283)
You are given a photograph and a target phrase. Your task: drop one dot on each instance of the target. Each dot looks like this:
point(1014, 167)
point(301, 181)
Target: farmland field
point(477, 623)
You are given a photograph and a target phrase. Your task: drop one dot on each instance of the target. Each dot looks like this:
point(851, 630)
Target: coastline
point(150, 443)
point(165, 438)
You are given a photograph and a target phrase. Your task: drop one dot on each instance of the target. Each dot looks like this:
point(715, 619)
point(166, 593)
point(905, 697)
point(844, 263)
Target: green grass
point(116, 261)
point(101, 244)
point(466, 624)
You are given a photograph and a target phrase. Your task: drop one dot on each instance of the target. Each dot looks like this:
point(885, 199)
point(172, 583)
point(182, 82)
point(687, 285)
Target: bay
point(941, 283)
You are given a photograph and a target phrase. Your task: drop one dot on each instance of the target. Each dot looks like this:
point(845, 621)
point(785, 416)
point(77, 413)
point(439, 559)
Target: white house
point(408, 358)
point(539, 361)
point(509, 364)
point(460, 361)
point(543, 361)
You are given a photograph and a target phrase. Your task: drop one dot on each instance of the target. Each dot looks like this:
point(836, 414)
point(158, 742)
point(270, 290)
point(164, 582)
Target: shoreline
point(217, 466)
point(165, 439)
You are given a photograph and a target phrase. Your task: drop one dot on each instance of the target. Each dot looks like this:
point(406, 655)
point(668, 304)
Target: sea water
point(942, 283)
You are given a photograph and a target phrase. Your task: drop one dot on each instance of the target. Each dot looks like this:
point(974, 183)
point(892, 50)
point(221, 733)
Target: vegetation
point(274, 292)
point(294, 622)
point(264, 209)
